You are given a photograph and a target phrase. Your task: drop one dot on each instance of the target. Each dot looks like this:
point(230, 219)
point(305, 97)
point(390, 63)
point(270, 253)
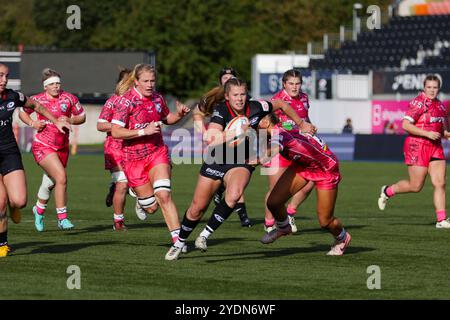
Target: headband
point(52, 80)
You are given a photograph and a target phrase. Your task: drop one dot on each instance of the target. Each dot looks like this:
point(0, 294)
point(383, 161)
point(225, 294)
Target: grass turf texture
point(402, 241)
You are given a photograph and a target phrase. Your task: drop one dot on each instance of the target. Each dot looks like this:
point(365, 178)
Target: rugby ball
point(236, 125)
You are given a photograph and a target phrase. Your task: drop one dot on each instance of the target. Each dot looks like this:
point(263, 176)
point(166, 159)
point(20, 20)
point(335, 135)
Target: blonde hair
point(123, 76)
point(48, 73)
point(127, 82)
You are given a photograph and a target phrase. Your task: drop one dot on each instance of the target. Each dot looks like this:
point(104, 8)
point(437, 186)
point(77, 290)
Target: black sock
point(3, 238)
point(221, 213)
point(187, 226)
point(240, 209)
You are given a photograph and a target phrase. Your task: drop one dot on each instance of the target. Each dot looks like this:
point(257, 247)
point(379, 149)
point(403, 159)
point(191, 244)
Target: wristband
point(141, 132)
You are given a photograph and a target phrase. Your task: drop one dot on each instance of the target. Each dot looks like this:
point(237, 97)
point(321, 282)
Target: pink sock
point(441, 215)
point(40, 208)
point(390, 191)
point(291, 211)
point(62, 213)
point(269, 222)
point(175, 234)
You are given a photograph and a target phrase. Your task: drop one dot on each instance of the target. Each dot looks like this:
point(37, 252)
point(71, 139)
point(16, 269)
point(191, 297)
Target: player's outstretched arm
point(174, 117)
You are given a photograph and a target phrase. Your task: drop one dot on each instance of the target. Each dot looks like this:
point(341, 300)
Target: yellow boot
point(4, 250)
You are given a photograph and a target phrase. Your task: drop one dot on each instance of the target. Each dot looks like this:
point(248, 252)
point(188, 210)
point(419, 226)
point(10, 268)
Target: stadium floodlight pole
point(356, 20)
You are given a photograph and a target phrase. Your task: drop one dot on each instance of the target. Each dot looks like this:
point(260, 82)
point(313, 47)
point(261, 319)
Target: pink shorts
point(40, 151)
point(418, 153)
point(113, 153)
point(137, 171)
point(278, 161)
point(324, 180)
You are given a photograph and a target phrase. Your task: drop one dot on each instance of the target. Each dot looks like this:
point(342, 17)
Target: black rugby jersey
point(254, 110)
point(9, 101)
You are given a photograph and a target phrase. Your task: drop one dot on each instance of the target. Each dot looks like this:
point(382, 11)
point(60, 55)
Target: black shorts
point(10, 160)
point(218, 171)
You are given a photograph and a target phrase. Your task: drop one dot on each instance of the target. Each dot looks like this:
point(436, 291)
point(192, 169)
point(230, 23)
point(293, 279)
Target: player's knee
point(147, 203)
point(121, 188)
point(61, 179)
point(415, 187)
point(439, 184)
point(195, 211)
point(18, 201)
point(163, 197)
point(233, 195)
point(162, 189)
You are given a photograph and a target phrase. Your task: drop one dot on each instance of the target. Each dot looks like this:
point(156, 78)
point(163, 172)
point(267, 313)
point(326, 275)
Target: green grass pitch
point(411, 253)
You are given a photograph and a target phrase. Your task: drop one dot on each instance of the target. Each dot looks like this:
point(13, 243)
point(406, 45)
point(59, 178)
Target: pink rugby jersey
point(134, 112)
point(427, 114)
point(66, 104)
point(106, 116)
point(307, 151)
point(300, 104)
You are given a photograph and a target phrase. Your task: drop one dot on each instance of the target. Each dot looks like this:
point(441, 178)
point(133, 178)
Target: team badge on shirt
point(63, 107)
point(158, 107)
point(265, 105)
point(10, 106)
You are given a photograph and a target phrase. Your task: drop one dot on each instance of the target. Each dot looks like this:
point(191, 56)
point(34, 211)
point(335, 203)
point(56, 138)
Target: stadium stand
point(405, 43)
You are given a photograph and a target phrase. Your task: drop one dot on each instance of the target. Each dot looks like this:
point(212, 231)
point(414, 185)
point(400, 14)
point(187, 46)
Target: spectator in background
point(390, 127)
point(348, 128)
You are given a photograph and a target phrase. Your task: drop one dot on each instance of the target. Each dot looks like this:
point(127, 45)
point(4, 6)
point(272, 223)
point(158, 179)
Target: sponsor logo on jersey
point(10, 106)
point(215, 172)
point(264, 105)
point(216, 114)
point(437, 119)
point(254, 121)
point(78, 106)
point(4, 122)
point(21, 96)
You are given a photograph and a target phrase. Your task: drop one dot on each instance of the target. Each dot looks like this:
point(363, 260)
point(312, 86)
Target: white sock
point(205, 233)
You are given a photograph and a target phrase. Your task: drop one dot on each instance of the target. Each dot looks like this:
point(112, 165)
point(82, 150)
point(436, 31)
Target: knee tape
point(118, 176)
point(147, 202)
point(161, 185)
point(45, 189)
